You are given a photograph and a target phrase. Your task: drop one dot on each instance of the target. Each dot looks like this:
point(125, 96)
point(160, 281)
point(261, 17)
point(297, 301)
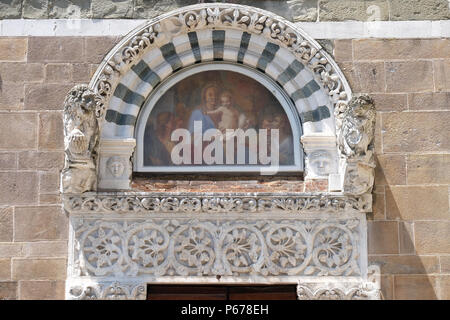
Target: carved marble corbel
point(356, 144)
point(80, 141)
point(115, 167)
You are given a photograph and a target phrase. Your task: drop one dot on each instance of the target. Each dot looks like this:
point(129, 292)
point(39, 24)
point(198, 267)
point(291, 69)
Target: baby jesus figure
point(229, 116)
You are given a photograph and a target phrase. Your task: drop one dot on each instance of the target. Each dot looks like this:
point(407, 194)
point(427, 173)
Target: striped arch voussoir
point(219, 32)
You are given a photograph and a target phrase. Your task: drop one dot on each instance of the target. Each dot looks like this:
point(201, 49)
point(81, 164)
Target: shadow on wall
point(404, 274)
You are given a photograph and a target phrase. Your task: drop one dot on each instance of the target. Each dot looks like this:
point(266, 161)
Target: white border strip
point(317, 30)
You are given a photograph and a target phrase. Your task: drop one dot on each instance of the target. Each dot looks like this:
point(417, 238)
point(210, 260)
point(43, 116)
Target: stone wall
point(295, 10)
point(409, 230)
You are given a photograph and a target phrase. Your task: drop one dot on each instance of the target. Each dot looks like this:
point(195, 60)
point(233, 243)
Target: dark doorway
point(222, 292)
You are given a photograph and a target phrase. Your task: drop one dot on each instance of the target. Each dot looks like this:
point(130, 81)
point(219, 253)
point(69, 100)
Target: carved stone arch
point(231, 33)
point(120, 240)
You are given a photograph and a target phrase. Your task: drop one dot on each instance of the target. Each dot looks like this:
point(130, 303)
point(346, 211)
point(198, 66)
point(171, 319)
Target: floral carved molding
point(204, 203)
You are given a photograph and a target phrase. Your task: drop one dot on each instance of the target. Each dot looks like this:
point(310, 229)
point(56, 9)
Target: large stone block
point(40, 223)
point(69, 9)
point(419, 10)
point(58, 72)
point(343, 50)
point(378, 141)
point(18, 130)
point(429, 168)
point(411, 203)
point(378, 207)
point(21, 72)
point(387, 287)
point(409, 76)
point(8, 290)
point(55, 49)
point(41, 290)
point(374, 10)
point(41, 160)
point(382, 237)
point(10, 250)
point(112, 9)
point(10, 9)
point(6, 224)
point(390, 102)
point(46, 199)
point(365, 77)
point(431, 237)
point(442, 74)
point(445, 264)
point(8, 160)
point(5, 269)
point(39, 269)
point(18, 188)
point(415, 287)
point(81, 73)
point(11, 96)
point(406, 237)
point(45, 96)
point(395, 49)
point(302, 10)
point(416, 131)
point(35, 9)
point(49, 249)
point(13, 49)
point(49, 182)
point(409, 264)
point(444, 287)
point(98, 47)
point(390, 169)
point(51, 131)
point(429, 101)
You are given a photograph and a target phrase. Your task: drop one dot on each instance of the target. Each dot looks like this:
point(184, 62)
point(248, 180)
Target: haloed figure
point(209, 100)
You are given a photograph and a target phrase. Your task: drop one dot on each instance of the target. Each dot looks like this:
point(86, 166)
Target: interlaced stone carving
point(190, 247)
point(80, 141)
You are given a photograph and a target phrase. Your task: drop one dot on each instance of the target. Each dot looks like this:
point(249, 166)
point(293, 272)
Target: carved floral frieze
point(215, 247)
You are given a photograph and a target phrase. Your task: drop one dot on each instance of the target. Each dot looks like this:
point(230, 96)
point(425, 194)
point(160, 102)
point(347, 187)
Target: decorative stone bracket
point(115, 167)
